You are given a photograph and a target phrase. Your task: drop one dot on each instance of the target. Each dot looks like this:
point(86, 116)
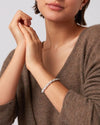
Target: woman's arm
point(56, 92)
point(10, 77)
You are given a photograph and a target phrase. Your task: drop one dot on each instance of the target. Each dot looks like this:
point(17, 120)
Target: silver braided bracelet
point(49, 84)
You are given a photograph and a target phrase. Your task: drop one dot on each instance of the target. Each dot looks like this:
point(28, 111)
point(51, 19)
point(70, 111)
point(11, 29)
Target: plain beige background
point(9, 8)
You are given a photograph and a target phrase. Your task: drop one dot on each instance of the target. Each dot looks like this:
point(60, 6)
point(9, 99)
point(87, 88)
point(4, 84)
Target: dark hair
point(79, 18)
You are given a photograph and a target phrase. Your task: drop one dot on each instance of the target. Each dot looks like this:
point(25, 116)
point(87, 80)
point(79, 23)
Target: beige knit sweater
point(80, 74)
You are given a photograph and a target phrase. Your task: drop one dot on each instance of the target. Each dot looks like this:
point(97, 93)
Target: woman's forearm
point(56, 92)
point(10, 77)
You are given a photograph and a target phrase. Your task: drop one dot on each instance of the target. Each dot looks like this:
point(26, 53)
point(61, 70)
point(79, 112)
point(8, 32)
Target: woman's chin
point(54, 18)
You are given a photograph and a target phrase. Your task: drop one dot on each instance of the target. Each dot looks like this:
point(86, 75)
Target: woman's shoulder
point(94, 27)
point(90, 38)
point(91, 35)
point(93, 31)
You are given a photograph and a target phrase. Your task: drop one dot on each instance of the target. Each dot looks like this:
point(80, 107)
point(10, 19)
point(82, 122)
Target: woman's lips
point(54, 7)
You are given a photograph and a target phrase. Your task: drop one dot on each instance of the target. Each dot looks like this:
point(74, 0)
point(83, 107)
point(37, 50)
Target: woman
point(70, 53)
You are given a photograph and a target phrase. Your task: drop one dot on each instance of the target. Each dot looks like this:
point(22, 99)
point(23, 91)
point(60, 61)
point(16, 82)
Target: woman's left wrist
point(35, 67)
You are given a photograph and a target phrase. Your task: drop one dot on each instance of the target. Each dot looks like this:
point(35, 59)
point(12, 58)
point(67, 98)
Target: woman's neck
point(57, 33)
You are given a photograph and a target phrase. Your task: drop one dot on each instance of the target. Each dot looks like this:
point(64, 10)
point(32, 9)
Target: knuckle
point(19, 11)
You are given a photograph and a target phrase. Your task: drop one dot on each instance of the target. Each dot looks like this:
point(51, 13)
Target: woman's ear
point(83, 3)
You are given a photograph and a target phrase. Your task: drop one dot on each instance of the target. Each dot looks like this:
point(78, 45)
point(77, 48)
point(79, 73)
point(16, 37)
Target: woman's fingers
point(27, 22)
point(33, 46)
point(33, 33)
point(25, 32)
point(21, 17)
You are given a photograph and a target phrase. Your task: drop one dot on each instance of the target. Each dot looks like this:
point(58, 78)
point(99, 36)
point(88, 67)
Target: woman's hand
point(23, 18)
point(33, 47)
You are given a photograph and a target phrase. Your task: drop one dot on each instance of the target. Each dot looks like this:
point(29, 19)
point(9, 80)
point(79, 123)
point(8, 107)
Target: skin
point(12, 74)
point(60, 23)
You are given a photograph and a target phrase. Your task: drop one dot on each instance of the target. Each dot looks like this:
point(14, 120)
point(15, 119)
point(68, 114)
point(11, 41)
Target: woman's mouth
point(55, 7)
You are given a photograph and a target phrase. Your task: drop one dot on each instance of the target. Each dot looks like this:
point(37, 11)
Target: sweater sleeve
point(84, 109)
point(8, 111)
